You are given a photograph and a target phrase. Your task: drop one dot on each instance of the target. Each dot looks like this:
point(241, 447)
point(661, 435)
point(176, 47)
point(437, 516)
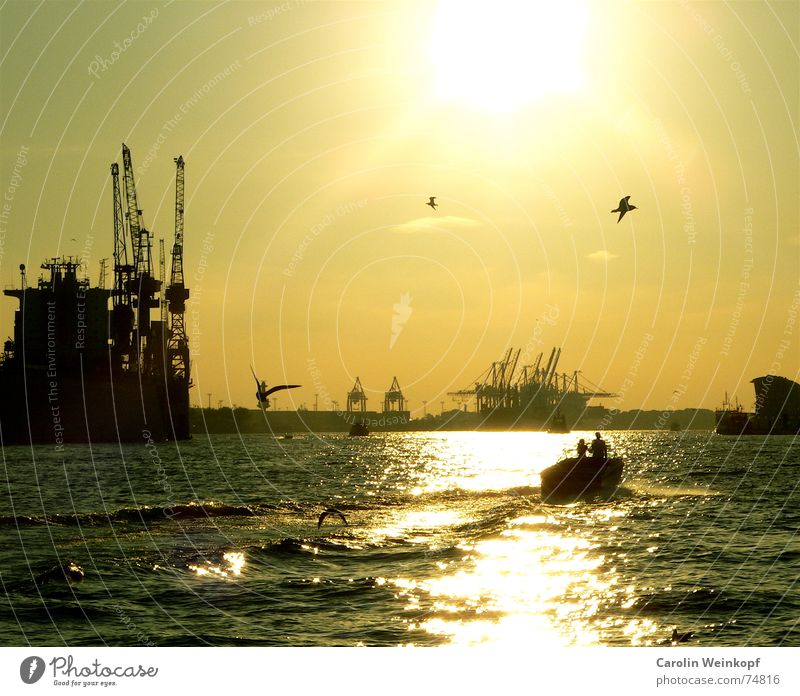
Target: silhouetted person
point(623, 208)
point(582, 448)
point(598, 447)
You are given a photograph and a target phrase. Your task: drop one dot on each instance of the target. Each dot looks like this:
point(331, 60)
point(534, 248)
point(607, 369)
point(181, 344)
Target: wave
point(291, 546)
point(212, 509)
point(655, 490)
point(143, 514)
point(254, 560)
point(693, 602)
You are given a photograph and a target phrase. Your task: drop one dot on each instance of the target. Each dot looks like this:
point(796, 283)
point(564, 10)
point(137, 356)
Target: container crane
point(143, 285)
point(122, 309)
point(177, 294)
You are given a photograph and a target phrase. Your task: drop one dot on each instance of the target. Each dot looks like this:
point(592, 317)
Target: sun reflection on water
point(539, 578)
point(486, 461)
point(532, 585)
point(412, 525)
point(233, 563)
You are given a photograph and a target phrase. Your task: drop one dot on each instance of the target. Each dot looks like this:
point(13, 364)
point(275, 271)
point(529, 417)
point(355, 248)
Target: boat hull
point(582, 478)
point(734, 422)
point(36, 409)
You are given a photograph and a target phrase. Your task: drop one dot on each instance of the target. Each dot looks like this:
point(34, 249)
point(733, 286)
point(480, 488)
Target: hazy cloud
point(601, 256)
point(435, 222)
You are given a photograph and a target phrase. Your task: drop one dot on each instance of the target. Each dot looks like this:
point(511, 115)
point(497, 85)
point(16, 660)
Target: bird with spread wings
point(623, 207)
point(263, 393)
point(328, 512)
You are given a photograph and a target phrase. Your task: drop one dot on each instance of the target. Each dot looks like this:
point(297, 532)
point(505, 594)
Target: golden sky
point(314, 133)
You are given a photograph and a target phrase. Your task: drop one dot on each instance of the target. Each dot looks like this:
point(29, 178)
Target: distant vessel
point(731, 419)
point(78, 370)
point(359, 429)
point(558, 423)
point(529, 397)
point(777, 410)
point(581, 478)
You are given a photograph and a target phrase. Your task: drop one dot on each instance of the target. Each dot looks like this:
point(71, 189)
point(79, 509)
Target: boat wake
point(647, 488)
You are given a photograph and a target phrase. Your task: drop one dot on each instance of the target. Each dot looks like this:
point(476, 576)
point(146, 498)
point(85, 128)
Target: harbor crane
point(142, 286)
point(176, 293)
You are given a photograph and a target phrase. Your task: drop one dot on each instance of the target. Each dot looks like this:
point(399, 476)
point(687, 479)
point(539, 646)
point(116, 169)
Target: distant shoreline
point(243, 420)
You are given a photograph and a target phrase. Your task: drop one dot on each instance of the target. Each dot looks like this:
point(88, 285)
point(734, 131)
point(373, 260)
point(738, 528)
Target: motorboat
point(581, 478)
point(558, 423)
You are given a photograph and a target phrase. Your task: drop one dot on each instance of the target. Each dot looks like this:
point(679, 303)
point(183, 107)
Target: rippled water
point(215, 541)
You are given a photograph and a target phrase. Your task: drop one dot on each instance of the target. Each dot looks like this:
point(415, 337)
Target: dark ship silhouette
point(359, 429)
point(78, 370)
point(777, 410)
point(558, 423)
point(532, 397)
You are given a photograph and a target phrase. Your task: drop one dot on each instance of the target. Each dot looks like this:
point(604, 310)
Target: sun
point(503, 55)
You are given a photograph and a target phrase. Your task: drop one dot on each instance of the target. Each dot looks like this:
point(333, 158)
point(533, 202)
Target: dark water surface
point(215, 542)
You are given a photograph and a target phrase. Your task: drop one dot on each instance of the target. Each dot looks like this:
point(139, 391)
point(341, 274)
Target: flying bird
point(330, 511)
point(432, 202)
point(263, 392)
point(623, 208)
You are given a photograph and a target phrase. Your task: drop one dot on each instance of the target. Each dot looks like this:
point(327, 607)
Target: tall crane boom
point(552, 374)
point(177, 294)
point(120, 247)
point(122, 311)
point(176, 278)
point(162, 276)
point(140, 237)
point(142, 285)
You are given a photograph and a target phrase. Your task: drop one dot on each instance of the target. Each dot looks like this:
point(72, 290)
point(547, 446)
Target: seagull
point(330, 511)
point(263, 392)
point(432, 202)
point(681, 637)
point(623, 208)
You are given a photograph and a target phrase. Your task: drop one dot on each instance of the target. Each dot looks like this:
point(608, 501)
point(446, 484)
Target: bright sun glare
point(506, 54)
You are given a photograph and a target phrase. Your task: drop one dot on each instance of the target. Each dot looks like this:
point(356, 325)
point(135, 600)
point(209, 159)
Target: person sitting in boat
point(598, 447)
point(582, 448)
